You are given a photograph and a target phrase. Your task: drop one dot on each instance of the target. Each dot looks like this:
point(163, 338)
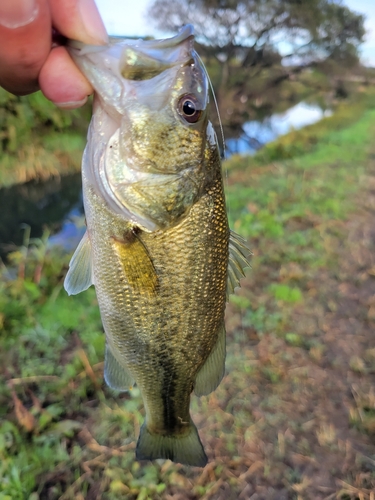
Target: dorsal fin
point(238, 261)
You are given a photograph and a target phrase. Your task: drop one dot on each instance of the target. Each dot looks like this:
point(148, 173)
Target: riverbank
point(294, 416)
point(34, 163)
point(299, 142)
point(38, 140)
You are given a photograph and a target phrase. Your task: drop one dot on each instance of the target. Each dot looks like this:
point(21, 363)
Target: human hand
point(28, 62)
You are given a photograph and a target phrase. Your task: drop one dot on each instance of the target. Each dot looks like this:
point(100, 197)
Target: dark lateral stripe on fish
point(172, 422)
point(168, 393)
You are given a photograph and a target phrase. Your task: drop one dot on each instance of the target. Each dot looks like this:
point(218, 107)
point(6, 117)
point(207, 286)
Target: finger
point(79, 20)
point(25, 41)
point(62, 82)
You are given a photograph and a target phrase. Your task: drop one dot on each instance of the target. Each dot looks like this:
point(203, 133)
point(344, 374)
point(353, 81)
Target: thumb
point(25, 41)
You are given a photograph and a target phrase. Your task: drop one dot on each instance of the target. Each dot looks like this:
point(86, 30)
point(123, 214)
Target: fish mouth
point(184, 34)
point(166, 43)
point(155, 56)
point(135, 60)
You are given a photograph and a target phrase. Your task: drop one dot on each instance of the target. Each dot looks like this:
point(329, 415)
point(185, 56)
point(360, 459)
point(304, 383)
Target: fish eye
point(189, 108)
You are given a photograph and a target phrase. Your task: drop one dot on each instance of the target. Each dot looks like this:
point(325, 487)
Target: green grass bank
point(38, 140)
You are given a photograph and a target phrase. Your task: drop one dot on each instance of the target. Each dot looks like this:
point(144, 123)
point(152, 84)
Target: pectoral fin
point(79, 276)
point(115, 375)
point(137, 264)
point(238, 261)
point(211, 373)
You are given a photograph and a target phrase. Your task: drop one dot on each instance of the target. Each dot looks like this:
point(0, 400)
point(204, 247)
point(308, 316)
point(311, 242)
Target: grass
point(294, 416)
point(38, 140)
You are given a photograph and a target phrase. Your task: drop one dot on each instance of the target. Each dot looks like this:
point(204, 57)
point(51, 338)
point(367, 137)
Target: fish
point(158, 247)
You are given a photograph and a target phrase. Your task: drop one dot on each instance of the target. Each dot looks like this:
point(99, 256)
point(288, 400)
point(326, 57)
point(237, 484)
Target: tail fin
point(186, 449)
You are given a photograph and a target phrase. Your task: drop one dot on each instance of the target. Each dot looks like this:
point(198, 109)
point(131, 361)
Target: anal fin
point(79, 276)
point(115, 375)
point(211, 373)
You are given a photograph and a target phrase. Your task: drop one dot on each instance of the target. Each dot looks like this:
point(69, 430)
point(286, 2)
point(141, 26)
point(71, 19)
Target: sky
point(128, 18)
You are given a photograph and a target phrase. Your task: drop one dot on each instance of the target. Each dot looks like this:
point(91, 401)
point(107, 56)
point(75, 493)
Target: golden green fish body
point(163, 324)
point(157, 248)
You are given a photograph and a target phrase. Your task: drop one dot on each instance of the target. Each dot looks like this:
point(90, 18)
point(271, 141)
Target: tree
point(252, 47)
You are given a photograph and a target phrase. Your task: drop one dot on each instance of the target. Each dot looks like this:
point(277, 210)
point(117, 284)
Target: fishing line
point(216, 105)
point(223, 155)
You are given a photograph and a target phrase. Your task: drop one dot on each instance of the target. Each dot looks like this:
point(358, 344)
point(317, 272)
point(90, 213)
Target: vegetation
point(299, 142)
point(37, 140)
point(257, 52)
point(293, 417)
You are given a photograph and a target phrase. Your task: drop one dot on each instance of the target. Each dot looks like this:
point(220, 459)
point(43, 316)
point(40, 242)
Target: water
point(40, 205)
point(257, 134)
point(57, 203)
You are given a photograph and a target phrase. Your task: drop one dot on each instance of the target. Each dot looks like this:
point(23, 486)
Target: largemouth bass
point(158, 247)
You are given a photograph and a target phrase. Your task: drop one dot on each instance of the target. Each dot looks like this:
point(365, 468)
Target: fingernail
point(93, 22)
point(17, 13)
point(71, 104)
